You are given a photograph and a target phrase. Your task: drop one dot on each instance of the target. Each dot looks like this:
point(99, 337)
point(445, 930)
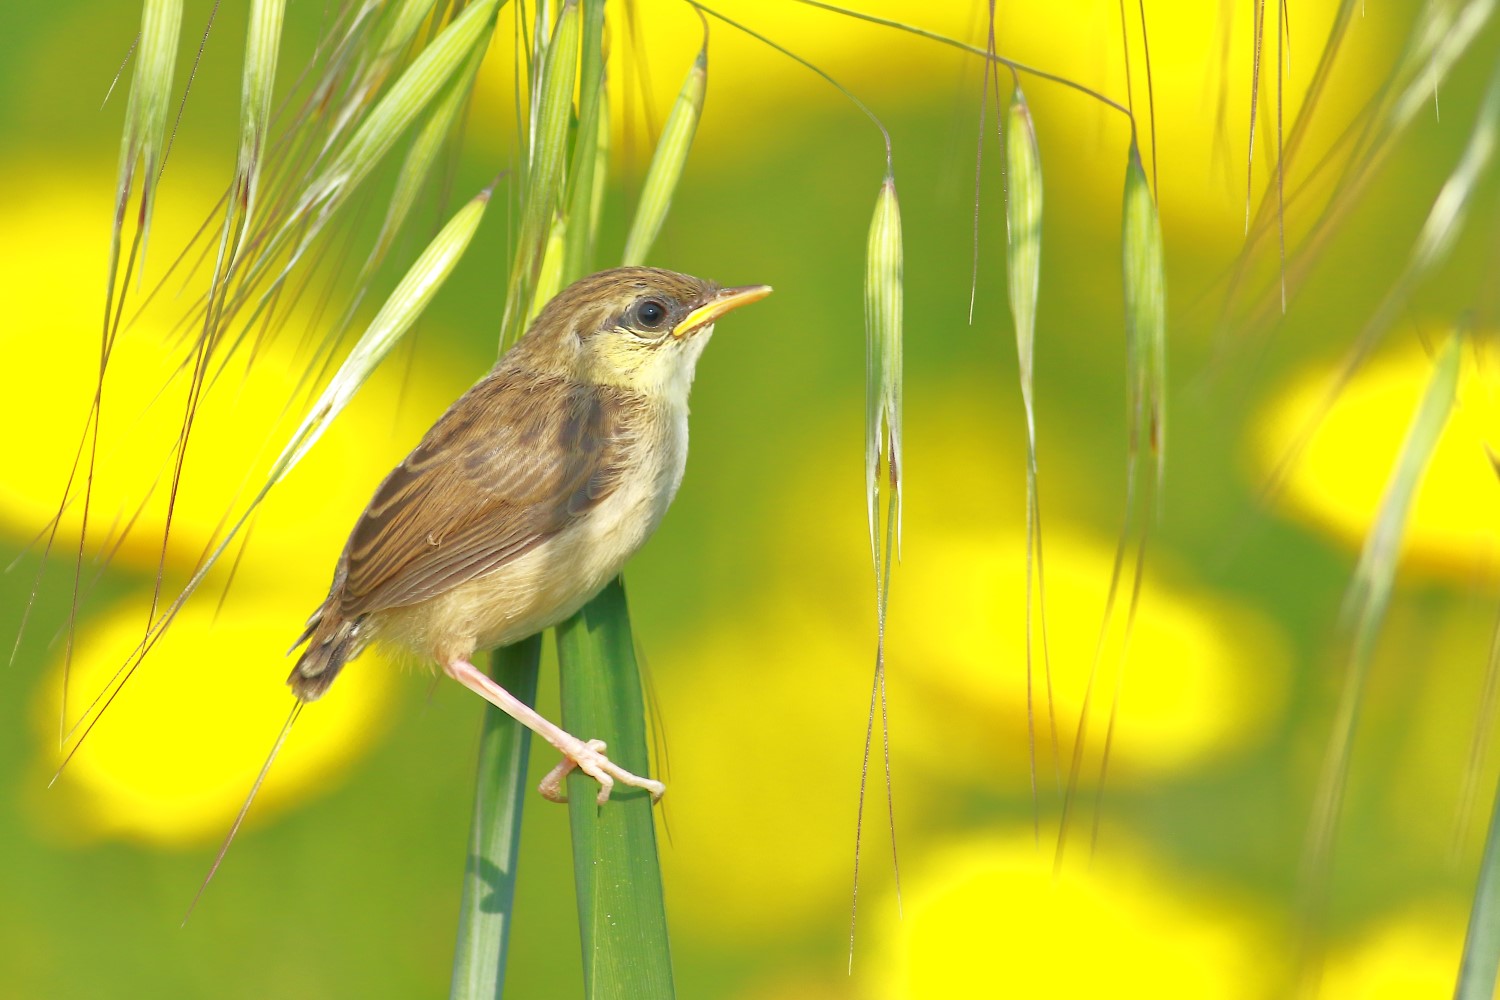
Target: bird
point(528, 495)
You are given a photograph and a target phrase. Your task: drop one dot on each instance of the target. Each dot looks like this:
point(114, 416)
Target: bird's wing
point(512, 463)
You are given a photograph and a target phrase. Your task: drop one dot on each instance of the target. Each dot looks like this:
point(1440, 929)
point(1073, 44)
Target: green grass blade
point(622, 917)
point(1364, 611)
point(668, 161)
point(500, 793)
point(1481, 962)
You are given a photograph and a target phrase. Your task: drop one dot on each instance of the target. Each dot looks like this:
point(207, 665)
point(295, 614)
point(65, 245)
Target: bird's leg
point(586, 756)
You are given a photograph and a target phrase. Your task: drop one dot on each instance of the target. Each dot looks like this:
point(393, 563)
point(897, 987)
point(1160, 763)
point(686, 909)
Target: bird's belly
point(546, 584)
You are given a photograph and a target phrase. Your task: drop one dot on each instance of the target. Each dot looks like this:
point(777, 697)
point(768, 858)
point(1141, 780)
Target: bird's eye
point(650, 314)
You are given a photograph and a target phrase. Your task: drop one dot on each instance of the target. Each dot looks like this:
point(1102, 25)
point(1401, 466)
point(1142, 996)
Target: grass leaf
point(500, 792)
point(622, 917)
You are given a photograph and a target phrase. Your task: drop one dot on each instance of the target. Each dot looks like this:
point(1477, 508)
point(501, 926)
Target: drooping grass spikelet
point(1145, 316)
point(143, 146)
point(884, 294)
point(1023, 235)
point(883, 311)
point(1023, 262)
point(668, 161)
point(262, 49)
point(1145, 401)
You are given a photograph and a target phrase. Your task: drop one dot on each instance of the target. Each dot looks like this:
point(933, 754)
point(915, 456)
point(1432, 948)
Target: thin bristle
point(239, 819)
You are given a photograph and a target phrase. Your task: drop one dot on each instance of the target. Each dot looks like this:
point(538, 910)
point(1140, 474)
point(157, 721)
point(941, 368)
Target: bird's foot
point(589, 758)
point(586, 757)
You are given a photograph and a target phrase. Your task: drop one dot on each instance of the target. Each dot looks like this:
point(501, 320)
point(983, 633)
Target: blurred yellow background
point(754, 602)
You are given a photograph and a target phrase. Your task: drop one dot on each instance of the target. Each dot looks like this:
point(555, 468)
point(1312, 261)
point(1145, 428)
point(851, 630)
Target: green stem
point(1477, 974)
point(622, 917)
point(501, 788)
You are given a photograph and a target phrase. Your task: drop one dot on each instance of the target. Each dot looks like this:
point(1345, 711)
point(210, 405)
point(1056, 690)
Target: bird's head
point(638, 328)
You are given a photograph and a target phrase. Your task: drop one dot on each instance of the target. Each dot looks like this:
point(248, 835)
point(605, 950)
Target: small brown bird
point(529, 494)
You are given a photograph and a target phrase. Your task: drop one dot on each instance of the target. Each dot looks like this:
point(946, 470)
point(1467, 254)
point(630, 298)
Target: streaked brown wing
point(512, 463)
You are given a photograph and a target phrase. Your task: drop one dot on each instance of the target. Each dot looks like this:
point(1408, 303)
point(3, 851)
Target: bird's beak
point(723, 301)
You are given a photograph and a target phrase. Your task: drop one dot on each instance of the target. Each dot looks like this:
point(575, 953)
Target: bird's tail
point(332, 640)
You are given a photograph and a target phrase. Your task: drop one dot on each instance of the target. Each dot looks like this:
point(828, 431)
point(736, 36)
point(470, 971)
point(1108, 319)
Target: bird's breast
point(554, 579)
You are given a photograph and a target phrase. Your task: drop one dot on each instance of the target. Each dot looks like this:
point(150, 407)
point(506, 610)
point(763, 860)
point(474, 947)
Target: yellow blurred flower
point(786, 696)
point(51, 346)
point(1411, 956)
point(1338, 483)
point(990, 918)
point(1203, 677)
point(765, 756)
point(174, 756)
point(176, 753)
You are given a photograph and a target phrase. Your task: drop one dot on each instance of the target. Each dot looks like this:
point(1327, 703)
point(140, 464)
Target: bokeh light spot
point(175, 754)
point(1338, 482)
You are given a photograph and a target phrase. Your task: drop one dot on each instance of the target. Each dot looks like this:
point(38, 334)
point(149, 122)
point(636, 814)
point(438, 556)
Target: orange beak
point(724, 300)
